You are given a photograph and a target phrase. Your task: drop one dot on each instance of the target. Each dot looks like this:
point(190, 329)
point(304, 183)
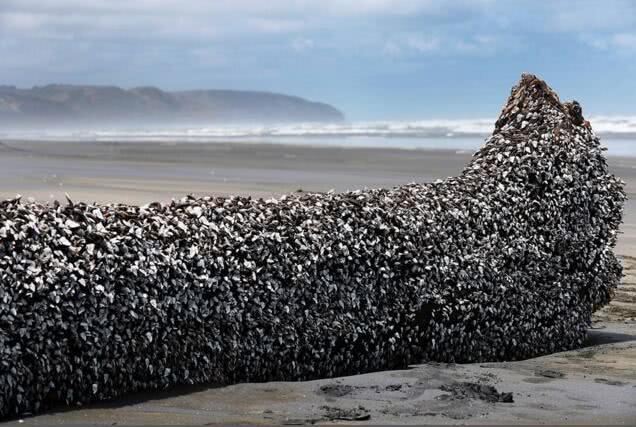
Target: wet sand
point(143, 172)
point(594, 385)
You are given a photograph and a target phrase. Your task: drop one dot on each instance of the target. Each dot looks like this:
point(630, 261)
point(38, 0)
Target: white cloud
point(275, 26)
point(20, 21)
point(302, 44)
point(423, 44)
point(402, 7)
point(619, 42)
point(116, 19)
point(625, 40)
point(215, 33)
point(247, 16)
point(205, 21)
point(409, 45)
point(478, 44)
point(276, 7)
point(599, 42)
point(586, 16)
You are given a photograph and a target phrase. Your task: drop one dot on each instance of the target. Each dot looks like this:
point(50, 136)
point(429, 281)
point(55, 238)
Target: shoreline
point(442, 143)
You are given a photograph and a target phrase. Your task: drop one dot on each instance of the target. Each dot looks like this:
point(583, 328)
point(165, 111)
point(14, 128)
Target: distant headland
point(75, 105)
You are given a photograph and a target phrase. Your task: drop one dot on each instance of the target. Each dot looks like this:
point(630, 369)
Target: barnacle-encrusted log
point(506, 261)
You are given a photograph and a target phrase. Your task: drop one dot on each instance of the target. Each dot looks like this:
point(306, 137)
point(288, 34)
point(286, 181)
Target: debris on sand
point(549, 373)
point(346, 414)
point(609, 382)
point(336, 390)
point(393, 387)
point(468, 390)
point(505, 261)
point(300, 421)
point(341, 390)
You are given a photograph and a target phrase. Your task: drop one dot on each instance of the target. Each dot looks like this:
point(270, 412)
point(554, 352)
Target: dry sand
point(593, 385)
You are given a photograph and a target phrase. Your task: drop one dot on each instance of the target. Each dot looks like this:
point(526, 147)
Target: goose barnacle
point(507, 260)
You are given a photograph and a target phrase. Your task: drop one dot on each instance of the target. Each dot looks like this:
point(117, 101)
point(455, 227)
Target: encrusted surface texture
point(506, 261)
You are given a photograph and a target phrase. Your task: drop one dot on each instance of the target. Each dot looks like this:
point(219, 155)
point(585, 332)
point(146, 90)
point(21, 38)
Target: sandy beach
point(593, 385)
point(143, 172)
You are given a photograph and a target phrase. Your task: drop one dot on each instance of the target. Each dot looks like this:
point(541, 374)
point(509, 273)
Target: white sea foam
point(614, 125)
point(621, 126)
point(618, 133)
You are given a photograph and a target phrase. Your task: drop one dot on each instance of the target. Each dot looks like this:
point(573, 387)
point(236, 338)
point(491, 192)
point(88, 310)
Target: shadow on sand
point(601, 336)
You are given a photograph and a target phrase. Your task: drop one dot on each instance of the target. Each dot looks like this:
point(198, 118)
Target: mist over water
point(618, 134)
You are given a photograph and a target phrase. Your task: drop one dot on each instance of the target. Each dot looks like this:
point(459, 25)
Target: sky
point(373, 59)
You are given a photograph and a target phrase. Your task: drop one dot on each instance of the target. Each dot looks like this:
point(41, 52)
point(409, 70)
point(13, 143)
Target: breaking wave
point(451, 133)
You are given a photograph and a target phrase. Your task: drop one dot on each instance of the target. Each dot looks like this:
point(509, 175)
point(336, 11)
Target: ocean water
point(618, 134)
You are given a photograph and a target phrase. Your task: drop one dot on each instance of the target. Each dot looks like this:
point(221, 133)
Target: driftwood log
point(506, 261)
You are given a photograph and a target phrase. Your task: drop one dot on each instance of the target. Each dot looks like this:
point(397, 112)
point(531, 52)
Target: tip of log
point(530, 93)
